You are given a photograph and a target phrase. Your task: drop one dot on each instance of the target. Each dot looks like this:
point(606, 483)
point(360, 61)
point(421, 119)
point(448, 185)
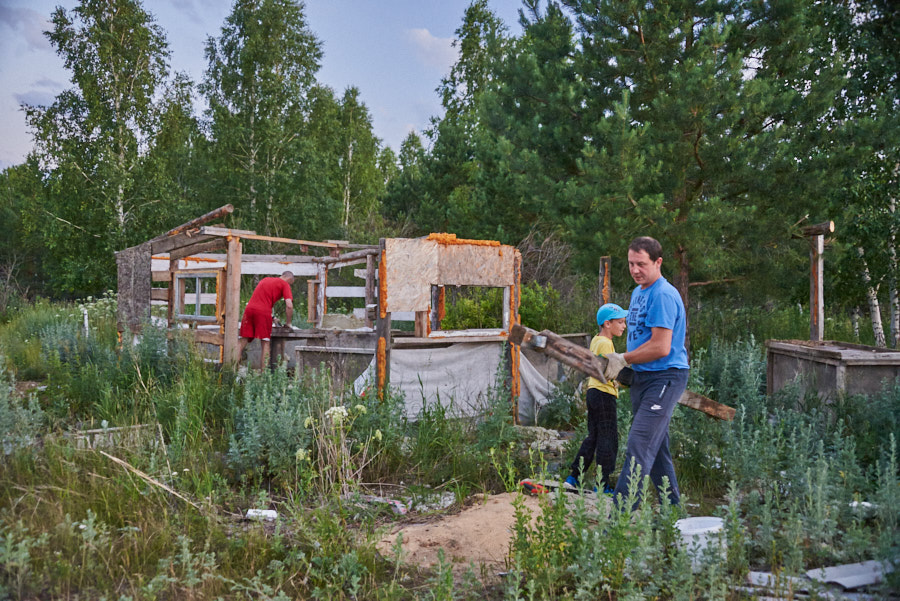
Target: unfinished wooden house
point(392, 336)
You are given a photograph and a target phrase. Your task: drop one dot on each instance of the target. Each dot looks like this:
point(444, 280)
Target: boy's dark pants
point(602, 437)
point(654, 395)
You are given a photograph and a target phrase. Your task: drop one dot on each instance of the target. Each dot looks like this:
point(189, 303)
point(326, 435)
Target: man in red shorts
point(257, 319)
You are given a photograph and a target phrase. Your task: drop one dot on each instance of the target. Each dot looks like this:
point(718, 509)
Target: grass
point(76, 523)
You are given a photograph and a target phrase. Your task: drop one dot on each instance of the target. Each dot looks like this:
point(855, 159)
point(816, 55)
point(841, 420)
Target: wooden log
point(232, 301)
point(196, 249)
point(254, 236)
point(585, 361)
point(186, 238)
point(209, 337)
point(351, 256)
point(819, 229)
point(193, 223)
point(225, 232)
point(697, 401)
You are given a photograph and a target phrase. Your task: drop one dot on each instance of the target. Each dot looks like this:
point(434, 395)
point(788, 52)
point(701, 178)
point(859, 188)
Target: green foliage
point(564, 410)
point(272, 422)
point(91, 139)
point(21, 419)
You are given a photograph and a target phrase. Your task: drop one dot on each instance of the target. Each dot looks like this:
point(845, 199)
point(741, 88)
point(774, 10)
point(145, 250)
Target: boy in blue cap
point(603, 434)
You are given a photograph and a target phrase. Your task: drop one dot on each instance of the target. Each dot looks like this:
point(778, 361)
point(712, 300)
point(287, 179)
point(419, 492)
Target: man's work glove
point(615, 363)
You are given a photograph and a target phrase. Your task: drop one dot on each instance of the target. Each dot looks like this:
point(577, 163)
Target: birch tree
point(260, 72)
point(89, 141)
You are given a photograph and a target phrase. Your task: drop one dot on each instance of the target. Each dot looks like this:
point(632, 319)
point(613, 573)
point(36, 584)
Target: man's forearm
point(657, 347)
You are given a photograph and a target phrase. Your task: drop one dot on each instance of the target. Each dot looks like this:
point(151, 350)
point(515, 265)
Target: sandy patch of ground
point(479, 535)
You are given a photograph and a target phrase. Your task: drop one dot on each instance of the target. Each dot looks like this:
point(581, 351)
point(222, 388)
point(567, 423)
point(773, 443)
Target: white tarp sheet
point(460, 376)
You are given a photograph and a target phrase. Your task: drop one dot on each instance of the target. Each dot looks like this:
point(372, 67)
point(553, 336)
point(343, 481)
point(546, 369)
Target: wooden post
point(816, 291)
point(605, 288)
point(816, 234)
point(321, 300)
point(232, 300)
point(382, 330)
point(370, 288)
point(421, 324)
point(437, 302)
point(312, 294)
point(515, 352)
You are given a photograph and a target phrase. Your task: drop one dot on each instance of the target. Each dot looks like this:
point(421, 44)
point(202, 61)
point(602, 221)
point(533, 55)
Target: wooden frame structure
point(403, 280)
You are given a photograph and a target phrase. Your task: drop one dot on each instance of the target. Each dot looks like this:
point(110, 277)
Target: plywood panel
point(470, 265)
point(412, 266)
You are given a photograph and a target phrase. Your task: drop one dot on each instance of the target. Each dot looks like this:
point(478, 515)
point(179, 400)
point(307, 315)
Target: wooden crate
point(829, 367)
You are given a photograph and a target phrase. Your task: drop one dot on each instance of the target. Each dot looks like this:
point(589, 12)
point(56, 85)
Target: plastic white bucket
point(699, 534)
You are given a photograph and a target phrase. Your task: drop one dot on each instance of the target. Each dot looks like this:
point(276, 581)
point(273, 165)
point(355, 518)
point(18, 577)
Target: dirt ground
point(479, 536)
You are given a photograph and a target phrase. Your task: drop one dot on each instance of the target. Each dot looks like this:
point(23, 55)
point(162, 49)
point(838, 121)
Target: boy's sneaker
point(571, 482)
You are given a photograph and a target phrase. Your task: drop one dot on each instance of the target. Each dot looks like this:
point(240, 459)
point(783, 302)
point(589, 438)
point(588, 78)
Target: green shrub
point(20, 419)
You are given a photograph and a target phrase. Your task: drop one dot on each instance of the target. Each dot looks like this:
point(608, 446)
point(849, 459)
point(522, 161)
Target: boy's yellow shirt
point(601, 345)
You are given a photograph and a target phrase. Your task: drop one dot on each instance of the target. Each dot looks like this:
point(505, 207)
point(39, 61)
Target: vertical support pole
point(382, 330)
point(605, 287)
point(437, 307)
point(172, 294)
point(370, 288)
point(515, 352)
point(321, 300)
point(816, 234)
point(232, 300)
point(312, 295)
point(816, 290)
point(422, 324)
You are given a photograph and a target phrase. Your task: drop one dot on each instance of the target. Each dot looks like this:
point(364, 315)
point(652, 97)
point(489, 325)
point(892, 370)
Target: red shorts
point(256, 324)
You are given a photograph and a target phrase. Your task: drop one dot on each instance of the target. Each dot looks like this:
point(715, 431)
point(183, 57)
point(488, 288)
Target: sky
point(394, 51)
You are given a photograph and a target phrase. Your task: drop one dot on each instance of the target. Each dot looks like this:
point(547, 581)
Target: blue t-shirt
point(658, 306)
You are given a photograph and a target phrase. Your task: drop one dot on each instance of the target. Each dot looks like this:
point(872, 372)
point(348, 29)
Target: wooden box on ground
point(829, 367)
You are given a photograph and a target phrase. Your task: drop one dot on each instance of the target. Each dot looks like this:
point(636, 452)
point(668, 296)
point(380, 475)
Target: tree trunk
point(872, 296)
point(854, 322)
point(892, 281)
point(347, 185)
point(682, 284)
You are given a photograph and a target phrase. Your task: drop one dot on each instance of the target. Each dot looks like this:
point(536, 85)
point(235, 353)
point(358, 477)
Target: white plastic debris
point(261, 514)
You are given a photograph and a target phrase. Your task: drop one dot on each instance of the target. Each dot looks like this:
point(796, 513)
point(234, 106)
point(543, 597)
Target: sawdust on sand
point(479, 535)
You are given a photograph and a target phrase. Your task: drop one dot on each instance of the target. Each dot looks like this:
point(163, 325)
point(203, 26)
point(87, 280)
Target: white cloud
point(434, 52)
point(28, 24)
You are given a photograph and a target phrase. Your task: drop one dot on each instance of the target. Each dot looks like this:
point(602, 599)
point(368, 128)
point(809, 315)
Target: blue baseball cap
point(610, 311)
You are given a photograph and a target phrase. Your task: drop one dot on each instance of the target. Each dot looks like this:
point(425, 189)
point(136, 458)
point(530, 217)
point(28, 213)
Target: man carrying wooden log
point(257, 319)
point(657, 354)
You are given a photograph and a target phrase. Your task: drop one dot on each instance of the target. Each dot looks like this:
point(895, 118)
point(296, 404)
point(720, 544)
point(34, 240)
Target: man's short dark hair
point(649, 245)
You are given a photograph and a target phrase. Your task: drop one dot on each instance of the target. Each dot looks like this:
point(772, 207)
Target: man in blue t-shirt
point(656, 352)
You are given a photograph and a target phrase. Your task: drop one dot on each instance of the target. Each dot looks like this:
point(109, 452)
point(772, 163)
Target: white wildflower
point(361, 409)
point(378, 435)
point(336, 414)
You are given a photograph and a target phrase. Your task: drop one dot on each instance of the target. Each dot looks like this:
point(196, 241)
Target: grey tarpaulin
point(460, 376)
point(134, 266)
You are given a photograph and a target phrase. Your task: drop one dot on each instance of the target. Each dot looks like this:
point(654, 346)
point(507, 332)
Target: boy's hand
point(615, 363)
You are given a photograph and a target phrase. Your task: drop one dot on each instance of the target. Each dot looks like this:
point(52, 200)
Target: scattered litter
point(778, 582)
point(863, 508)
point(699, 534)
point(395, 505)
point(261, 514)
point(852, 575)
